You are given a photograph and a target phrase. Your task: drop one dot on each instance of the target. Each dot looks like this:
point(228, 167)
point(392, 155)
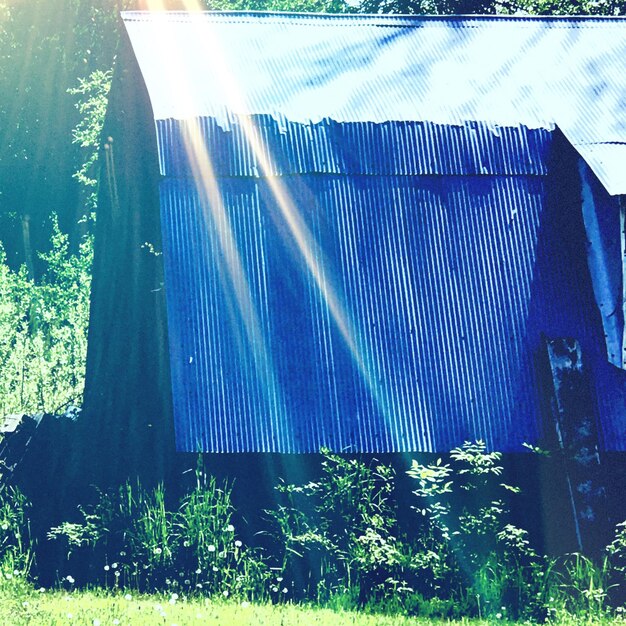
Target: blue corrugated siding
point(328, 147)
point(446, 283)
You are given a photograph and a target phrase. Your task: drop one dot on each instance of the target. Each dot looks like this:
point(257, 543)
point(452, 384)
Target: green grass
point(89, 608)
point(20, 605)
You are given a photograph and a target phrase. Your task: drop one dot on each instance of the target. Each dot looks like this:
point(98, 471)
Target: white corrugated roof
point(535, 72)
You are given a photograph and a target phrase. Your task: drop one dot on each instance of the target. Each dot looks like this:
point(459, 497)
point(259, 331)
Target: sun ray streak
point(217, 222)
point(310, 250)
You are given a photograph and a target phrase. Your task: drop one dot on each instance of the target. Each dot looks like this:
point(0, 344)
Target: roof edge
point(401, 19)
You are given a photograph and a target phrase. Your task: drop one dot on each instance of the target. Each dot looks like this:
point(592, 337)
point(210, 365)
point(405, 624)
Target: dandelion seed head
point(230, 528)
point(211, 548)
point(128, 597)
point(238, 543)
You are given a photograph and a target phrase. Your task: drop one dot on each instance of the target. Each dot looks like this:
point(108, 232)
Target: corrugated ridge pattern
point(500, 71)
point(392, 148)
point(442, 285)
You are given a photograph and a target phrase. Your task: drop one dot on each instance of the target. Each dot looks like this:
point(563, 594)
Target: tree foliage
point(43, 329)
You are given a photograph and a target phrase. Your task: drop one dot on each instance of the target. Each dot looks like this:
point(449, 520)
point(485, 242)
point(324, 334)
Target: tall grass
point(336, 542)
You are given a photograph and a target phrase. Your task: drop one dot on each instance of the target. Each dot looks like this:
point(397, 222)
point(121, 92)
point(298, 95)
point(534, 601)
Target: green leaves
point(43, 329)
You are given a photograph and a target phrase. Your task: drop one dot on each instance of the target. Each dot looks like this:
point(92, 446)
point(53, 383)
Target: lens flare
point(309, 249)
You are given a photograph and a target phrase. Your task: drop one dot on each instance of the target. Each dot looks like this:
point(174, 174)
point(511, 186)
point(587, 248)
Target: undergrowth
point(336, 542)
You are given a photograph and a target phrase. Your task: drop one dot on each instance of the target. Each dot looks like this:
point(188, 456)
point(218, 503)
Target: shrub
point(131, 538)
point(337, 537)
point(43, 329)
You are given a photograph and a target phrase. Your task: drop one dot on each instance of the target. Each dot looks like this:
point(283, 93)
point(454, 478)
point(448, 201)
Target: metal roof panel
point(445, 70)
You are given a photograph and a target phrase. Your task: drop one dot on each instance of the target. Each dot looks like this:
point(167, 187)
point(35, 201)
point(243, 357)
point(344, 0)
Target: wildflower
point(245, 604)
point(96, 622)
point(198, 571)
point(168, 582)
point(69, 616)
point(498, 615)
point(70, 580)
point(114, 566)
point(122, 553)
point(187, 581)
point(8, 576)
point(230, 528)
point(279, 579)
point(5, 526)
point(106, 568)
point(215, 568)
point(158, 607)
point(274, 588)
point(117, 574)
point(128, 597)
point(285, 590)
point(238, 543)
point(25, 603)
point(158, 550)
point(42, 590)
point(225, 593)
point(211, 548)
point(116, 621)
point(185, 544)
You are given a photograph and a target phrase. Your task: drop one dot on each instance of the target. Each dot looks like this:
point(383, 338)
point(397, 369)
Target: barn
point(356, 232)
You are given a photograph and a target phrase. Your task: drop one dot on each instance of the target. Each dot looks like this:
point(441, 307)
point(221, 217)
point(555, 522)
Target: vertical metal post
point(577, 440)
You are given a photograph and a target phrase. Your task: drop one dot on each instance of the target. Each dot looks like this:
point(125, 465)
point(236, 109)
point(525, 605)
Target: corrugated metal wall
point(399, 311)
